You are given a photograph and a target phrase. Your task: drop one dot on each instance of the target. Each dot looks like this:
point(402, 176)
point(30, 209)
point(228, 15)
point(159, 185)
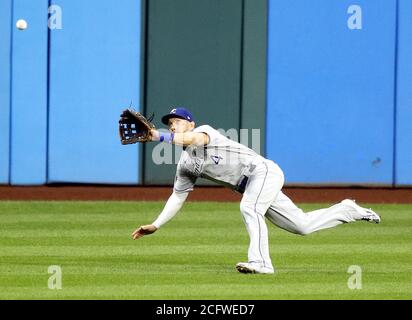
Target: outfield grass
point(194, 255)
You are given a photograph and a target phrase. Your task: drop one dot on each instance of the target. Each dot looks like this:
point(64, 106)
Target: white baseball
point(21, 24)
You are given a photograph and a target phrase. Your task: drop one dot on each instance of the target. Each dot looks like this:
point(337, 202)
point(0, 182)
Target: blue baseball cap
point(180, 113)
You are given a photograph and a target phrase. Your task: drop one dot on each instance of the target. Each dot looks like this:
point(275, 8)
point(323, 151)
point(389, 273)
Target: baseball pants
point(263, 198)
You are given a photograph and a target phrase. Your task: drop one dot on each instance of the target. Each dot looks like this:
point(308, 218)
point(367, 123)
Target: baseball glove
point(134, 127)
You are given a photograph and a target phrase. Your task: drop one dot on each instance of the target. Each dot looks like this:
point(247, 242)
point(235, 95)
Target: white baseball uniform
point(232, 164)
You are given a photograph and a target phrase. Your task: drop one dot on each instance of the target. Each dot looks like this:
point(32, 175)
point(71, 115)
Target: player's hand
point(155, 135)
point(143, 230)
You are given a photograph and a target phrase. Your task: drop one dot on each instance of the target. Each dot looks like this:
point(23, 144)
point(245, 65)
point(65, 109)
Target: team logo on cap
point(173, 111)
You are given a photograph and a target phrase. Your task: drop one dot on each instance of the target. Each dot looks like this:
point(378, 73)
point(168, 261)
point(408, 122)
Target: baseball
point(21, 24)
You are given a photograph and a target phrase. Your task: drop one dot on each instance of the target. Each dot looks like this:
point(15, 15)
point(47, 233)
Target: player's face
point(180, 125)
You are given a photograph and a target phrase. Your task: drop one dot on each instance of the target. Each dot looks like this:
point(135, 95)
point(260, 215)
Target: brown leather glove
point(134, 127)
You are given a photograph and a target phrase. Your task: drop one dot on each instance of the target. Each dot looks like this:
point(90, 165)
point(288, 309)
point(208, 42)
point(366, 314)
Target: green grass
point(193, 256)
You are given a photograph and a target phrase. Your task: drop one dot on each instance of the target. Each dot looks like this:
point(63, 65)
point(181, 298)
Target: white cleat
point(367, 214)
point(246, 267)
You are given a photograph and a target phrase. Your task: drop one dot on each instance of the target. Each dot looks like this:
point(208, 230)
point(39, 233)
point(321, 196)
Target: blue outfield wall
point(29, 94)
point(404, 96)
point(339, 100)
point(330, 100)
point(62, 90)
point(5, 52)
point(94, 74)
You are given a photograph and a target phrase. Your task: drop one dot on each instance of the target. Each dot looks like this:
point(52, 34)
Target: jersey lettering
point(216, 159)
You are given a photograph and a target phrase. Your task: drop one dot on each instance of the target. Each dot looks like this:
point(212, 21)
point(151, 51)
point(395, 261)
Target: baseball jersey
point(222, 160)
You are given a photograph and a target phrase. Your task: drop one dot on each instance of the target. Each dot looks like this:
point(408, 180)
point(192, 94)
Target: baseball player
point(209, 154)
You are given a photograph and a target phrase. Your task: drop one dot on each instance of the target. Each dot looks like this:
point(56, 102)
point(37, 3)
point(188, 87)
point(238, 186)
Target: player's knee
point(249, 210)
point(302, 230)
point(246, 208)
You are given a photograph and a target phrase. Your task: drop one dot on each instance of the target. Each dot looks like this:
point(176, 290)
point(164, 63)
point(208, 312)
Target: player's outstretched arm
point(191, 138)
point(182, 139)
point(172, 207)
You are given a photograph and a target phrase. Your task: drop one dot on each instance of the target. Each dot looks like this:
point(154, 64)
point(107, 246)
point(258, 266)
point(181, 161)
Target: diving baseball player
point(209, 154)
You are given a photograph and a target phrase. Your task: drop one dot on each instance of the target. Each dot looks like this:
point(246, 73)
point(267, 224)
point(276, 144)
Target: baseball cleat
point(245, 267)
point(367, 214)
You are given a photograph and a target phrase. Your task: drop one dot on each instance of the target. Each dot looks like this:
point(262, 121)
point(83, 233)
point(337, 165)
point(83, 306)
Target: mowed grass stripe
point(193, 257)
